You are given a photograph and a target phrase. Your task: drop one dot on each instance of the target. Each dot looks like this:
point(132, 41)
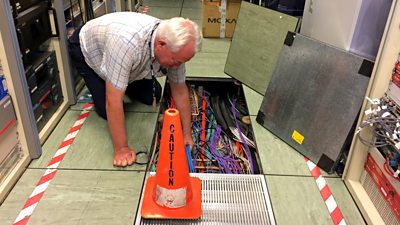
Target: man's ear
point(161, 43)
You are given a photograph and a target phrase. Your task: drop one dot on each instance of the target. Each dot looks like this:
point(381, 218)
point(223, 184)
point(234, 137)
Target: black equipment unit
point(46, 96)
point(19, 6)
point(33, 28)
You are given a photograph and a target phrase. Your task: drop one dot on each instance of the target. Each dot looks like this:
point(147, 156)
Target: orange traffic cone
point(172, 193)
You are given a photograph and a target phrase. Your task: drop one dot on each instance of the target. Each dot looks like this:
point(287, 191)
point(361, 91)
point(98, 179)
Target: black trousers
point(141, 90)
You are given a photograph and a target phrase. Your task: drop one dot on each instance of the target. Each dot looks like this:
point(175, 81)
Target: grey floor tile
point(93, 149)
point(14, 202)
point(191, 13)
point(345, 202)
point(52, 143)
point(215, 45)
point(296, 200)
point(206, 65)
point(163, 12)
point(192, 4)
point(163, 3)
point(90, 197)
point(276, 156)
point(253, 99)
point(199, 23)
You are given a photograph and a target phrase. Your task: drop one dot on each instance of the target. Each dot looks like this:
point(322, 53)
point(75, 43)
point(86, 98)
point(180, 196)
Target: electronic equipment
point(224, 140)
point(3, 87)
point(31, 79)
point(33, 28)
point(8, 138)
point(381, 188)
point(44, 86)
point(18, 6)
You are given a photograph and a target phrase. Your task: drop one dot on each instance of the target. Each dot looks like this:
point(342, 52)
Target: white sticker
point(4, 85)
point(171, 198)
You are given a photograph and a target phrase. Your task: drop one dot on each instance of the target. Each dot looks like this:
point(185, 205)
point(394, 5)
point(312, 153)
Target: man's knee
point(101, 112)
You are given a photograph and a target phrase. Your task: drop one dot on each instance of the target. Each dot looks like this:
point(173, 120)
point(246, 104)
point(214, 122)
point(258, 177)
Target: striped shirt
point(116, 47)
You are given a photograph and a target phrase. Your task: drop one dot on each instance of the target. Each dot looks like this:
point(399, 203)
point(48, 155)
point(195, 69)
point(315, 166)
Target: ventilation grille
point(379, 202)
point(228, 199)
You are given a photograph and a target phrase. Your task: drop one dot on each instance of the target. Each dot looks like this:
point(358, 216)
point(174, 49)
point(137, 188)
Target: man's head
point(176, 41)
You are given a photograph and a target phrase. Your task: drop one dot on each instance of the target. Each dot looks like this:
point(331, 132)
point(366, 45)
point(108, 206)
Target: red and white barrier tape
point(48, 176)
point(326, 194)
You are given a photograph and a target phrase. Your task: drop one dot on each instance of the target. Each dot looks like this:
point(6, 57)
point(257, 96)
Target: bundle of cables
point(384, 120)
point(223, 141)
point(221, 132)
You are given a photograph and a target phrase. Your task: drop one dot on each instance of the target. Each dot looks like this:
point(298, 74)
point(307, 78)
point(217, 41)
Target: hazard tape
point(326, 194)
point(48, 176)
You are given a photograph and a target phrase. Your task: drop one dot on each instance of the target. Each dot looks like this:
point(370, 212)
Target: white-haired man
point(123, 53)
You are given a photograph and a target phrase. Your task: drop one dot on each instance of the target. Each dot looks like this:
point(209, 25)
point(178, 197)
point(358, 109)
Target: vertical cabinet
point(354, 26)
point(355, 172)
point(37, 72)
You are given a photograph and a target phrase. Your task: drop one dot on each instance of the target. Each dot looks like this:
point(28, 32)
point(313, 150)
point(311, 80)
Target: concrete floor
point(87, 189)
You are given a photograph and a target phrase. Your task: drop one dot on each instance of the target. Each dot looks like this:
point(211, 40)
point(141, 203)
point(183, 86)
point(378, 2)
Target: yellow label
point(297, 137)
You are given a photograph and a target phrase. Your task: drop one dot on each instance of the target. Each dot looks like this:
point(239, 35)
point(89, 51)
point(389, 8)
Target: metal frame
point(22, 99)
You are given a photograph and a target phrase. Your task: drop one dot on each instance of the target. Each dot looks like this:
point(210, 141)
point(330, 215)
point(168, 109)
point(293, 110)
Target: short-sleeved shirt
point(116, 46)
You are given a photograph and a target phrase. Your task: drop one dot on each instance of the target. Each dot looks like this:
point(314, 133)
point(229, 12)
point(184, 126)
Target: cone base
point(151, 210)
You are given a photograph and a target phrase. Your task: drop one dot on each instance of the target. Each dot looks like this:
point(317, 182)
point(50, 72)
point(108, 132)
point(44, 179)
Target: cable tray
point(227, 199)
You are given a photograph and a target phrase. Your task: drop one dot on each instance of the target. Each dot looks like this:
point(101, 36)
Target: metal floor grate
point(228, 199)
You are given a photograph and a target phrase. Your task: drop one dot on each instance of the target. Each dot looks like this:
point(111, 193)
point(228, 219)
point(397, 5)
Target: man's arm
point(123, 155)
point(180, 94)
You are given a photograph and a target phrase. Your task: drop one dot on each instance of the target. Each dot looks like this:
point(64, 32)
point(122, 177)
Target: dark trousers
point(141, 90)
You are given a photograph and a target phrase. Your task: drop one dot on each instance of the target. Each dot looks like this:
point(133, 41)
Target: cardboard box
point(212, 18)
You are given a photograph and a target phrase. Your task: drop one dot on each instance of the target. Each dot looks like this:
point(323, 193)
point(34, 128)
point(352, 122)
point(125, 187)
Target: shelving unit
point(17, 87)
point(15, 73)
point(381, 75)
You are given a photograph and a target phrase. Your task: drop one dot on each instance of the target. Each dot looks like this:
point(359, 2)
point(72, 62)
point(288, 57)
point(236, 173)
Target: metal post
point(17, 76)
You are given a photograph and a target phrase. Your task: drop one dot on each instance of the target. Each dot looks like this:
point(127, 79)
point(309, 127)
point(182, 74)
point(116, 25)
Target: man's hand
point(124, 157)
point(180, 94)
point(188, 140)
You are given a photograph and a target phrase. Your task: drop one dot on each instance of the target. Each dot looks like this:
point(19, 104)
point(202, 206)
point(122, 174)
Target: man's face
point(169, 59)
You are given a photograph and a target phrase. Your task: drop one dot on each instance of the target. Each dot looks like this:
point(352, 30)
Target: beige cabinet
point(25, 129)
point(354, 175)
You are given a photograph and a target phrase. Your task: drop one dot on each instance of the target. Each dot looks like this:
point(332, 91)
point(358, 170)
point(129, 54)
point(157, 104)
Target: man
point(124, 52)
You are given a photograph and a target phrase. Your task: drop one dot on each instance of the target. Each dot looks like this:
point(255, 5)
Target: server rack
point(355, 171)
point(18, 68)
